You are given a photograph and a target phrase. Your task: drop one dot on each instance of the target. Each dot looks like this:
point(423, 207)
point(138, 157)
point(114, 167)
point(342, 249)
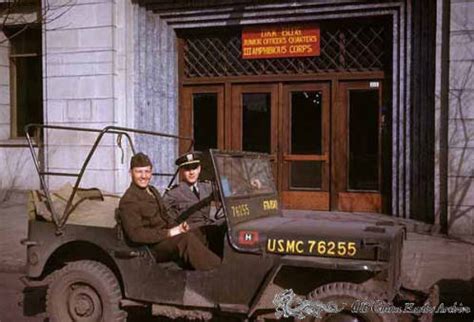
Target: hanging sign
point(280, 41)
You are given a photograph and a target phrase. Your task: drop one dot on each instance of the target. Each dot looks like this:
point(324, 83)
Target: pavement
point(13, 228)
point(428, 257)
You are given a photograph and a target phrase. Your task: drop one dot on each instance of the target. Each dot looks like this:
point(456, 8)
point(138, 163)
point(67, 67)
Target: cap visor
point(189, 162)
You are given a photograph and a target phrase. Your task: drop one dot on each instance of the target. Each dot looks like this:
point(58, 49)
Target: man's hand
point(181, 228)
point(256, 184)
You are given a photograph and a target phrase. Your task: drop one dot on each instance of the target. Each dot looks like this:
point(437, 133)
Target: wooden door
point(202, 117)
point(254, 118)
point(326, 145)
point(357, 175)
point(305, 171)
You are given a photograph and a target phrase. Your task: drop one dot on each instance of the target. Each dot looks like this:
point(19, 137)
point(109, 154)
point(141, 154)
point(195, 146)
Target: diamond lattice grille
point(351, 49)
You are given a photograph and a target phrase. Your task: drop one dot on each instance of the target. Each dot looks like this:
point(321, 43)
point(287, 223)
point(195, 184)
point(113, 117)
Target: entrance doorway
point(324, 137)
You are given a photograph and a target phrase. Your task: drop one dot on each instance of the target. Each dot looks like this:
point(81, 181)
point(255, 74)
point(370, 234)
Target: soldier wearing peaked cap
point(190, 191)
point(188, 159)
point(145, 221)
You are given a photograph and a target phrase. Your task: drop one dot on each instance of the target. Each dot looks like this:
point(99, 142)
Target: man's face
point(191, 173)
point(141, 176)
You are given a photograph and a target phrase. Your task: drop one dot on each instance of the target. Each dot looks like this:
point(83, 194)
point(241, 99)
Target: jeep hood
point(318, 237)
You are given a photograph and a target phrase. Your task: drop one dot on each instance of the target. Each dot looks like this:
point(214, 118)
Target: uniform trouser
point(188, 248)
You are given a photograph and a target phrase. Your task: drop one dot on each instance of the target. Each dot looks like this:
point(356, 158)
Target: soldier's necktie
point(196, 192)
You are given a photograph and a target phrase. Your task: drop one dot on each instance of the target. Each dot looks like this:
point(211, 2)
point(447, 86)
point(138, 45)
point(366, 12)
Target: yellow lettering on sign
point(268, 34)
point(341, 248)
point(290, 246)
point(311, 245)
point(240, 210)
point(266, 50)
point(274, 41)
point(331, 247)
point(270, 204)
point(303, 39)
point(271, 245)
point(317, 247)
point(299, 247)
point(351, 249)
point(252, 42)
point(297, 49)
point(281, 245)
point(291, 32)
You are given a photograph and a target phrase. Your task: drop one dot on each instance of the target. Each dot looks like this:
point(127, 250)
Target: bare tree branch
point(21, 13)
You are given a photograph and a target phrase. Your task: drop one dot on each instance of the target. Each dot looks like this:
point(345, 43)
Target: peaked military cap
point(188, 159)
point(140, 160)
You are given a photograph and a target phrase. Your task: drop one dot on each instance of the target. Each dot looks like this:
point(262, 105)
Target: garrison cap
point(188, 159)
point(140, 160)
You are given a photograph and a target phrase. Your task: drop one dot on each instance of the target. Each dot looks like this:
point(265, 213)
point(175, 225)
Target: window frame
point(16, 52)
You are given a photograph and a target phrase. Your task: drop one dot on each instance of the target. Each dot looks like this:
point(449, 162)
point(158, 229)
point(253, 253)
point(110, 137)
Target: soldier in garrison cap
point(189, 192)
point(145, 221)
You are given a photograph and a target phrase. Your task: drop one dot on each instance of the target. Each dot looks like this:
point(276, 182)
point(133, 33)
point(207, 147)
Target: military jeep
point(93, 273)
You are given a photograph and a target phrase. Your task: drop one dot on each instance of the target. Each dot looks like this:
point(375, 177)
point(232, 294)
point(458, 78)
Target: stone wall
point(105, 62)
point(113, 64)
point(85, 63)
point(156, 89)
point(461, 120)
point(4, 88)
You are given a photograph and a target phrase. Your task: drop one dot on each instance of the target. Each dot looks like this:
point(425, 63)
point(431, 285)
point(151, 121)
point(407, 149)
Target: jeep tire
point(344, 295)
point(84, 291)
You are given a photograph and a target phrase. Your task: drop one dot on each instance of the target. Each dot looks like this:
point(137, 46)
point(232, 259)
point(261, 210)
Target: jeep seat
point(139, 249)
point(122, 236)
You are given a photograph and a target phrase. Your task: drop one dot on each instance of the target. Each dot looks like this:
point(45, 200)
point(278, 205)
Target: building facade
point(379, 120)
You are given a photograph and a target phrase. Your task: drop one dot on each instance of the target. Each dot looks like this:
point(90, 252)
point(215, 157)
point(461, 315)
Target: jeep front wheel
point(345, 295)
point(84, 291)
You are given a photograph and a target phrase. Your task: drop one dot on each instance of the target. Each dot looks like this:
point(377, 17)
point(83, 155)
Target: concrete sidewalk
point(13, 228)
point(427, 259)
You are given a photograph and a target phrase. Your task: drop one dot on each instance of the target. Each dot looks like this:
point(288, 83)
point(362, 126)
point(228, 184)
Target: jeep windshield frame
point(246, 185)
point(60, 220)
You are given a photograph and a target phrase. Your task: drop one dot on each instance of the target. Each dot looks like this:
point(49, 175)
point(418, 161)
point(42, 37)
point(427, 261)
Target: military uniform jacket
point(180, 197)
point(143, 215)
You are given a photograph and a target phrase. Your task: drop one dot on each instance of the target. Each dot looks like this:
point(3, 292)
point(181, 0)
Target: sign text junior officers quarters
point(280, 41)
